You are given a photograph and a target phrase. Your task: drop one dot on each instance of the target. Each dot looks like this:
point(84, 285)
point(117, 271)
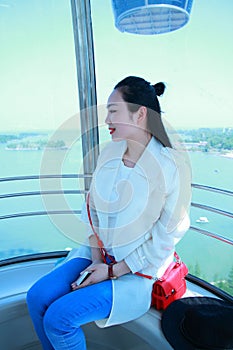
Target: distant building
point(195, 145)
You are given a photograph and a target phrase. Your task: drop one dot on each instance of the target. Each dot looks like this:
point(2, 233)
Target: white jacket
point(152, 216)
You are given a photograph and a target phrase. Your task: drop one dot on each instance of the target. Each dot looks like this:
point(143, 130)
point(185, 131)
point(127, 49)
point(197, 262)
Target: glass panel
point(38, 102)
point(208, 259)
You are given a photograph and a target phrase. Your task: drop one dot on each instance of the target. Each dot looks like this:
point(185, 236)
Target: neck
point(135, 148)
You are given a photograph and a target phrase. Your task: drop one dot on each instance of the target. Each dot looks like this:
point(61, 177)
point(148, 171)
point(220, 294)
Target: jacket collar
point(114, 152)
point(148, 168)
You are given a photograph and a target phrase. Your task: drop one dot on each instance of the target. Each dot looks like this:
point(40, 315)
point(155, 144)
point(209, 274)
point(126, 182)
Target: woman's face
point(121, 122)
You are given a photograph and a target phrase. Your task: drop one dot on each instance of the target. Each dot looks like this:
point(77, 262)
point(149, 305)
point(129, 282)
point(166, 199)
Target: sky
point(38, 84)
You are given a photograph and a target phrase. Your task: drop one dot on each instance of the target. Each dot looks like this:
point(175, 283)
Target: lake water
point(213, 259)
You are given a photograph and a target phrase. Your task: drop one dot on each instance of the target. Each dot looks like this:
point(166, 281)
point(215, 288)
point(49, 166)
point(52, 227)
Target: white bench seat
point(17, 333)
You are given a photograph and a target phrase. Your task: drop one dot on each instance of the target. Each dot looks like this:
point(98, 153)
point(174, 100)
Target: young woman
point(139, 201)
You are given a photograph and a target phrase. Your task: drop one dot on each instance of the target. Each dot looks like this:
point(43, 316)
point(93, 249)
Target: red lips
point(111, 130)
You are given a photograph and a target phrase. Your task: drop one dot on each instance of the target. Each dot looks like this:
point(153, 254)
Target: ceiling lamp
point(151, 16)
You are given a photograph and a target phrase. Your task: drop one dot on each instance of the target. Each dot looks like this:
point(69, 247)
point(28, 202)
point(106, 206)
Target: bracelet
point(111, 276)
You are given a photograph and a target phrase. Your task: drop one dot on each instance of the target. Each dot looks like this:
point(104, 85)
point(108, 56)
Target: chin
point(117, 139)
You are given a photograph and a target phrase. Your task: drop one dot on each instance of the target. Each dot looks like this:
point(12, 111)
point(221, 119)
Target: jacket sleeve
point(155, 251)
point(166, 232)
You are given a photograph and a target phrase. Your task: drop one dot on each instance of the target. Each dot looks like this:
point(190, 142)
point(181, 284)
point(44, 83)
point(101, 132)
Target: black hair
point(139, 92)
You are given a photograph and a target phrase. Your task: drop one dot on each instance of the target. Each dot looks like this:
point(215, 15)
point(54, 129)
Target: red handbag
point(171, 286)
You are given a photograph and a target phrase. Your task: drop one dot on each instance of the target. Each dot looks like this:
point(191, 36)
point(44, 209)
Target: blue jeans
point(58, 312)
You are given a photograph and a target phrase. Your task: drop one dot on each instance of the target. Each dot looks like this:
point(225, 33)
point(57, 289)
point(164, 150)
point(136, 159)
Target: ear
point(142, 113)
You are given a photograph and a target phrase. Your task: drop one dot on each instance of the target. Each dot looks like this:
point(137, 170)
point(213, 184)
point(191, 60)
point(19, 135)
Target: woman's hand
point(99, 272)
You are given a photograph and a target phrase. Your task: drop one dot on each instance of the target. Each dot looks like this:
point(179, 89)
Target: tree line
point(214, 138)
point(225, 284)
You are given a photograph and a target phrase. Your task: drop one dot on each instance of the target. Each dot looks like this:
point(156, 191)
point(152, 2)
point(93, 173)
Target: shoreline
point(223, 153)
point(37, 149)
point(227, 155)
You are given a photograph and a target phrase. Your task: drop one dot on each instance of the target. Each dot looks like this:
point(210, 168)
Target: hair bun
point(159, 88)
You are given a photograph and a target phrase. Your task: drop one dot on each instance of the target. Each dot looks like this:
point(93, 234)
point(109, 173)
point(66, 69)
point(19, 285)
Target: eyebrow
point(111, 104)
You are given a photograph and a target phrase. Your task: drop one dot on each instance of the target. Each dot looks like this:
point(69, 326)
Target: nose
point(107, 119)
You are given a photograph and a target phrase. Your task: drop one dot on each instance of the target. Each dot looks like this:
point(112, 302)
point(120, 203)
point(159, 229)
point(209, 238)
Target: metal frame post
point(85, 65)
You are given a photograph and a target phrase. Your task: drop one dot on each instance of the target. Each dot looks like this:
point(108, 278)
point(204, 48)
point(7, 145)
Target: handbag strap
point(105, 254)
point(103, 251)
point(171, 266)
point(166, 273)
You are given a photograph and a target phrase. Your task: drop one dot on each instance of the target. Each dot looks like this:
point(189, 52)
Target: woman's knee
point(38, 297)
point(33, 297)
point(53, 321)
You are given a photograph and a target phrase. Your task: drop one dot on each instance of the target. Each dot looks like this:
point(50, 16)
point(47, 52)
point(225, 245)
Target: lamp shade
point(151, 16)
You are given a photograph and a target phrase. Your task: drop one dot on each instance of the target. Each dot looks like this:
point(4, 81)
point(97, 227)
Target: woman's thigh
point(79, 307)
point(56, 283)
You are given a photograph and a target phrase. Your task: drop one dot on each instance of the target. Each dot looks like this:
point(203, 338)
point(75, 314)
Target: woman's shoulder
point(171, 159)
point(175, 155)
point(164, 155)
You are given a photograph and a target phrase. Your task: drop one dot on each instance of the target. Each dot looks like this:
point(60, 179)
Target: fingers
point(93, 274)
point(74, 286)
point(87, 282)
point(81, 279)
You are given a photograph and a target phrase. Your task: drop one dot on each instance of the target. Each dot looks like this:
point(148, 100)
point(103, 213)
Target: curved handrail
point(212, 209)
point(39, 193)
point(75, 176)
point(46, 176)
point(39, 213)
point(35, 256)
point(220, 293)
point(212, 189)
point(211, 234)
